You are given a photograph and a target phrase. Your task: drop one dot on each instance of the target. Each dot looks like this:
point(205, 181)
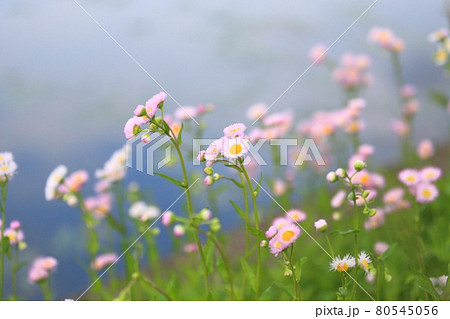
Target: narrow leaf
point(172, 180)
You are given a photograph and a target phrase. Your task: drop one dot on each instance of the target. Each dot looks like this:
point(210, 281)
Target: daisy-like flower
point(321, 225)
point(439, 35)
point(234, 130)
point(47, 263)
point(409, 177)
point(296, 214)
point(235, 147)
point(99, 205)
point(289, 234)
point(214, 150)
point(140, 210)
point(256, 111)
point(131, 129)
point(276, 245)
point(425, 149)
point(53, 181)
point(426, 193)
point(280, 222)
point(393, 196)
point(364, 261)
point(430, 174)
point(115, 168)
point(342, 264)
point(7, 166)
point(101, 261)
point(272, 231)
point(14, 236)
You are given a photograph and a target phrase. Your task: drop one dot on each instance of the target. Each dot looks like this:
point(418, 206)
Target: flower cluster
point(15, 234)
point(7, 166)
point(59, 185)
point(386, 39)
point(353, 72)
point(442, 38)
point(347, 262)
point(275, 125)
point(284, 232)
point(41, 269)
point(421, 183)
point(143, 212)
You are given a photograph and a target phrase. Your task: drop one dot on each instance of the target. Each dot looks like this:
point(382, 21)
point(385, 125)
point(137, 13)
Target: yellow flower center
point(365, 179)
point(365, 264)
point(277, 245)
point(411, 178)
point(4, 168)
point(287, 235)
point(426, 193)
point(235, 149)
point(342, 266)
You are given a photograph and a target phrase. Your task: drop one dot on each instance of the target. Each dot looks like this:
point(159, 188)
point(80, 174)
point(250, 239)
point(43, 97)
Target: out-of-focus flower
point(99, 205)
point(75, 181)
point(409, 177)
point(53, 181)
point(280, 222)
point(190, 248)
point(115, 167)
point(140, 210)
point(317, 54)
point(256, 111)
point(342, 264)
point(439, 283)
point(352, 73)
point(234, 130)
point(380, 247)
point(41, 269)
point(104, 260)
point(338, 199)
point(426, 193)
point(375, 221)
point(386, 39)
point(321, 225)
point(430, 174)
point(186, 113)
point(8, 166)
point(272, 231)
point(425, 149)
point(399, 127)
point(15, 236)
point(179, 230)
point(408, 91)
point(279, 187)
point(168, 218)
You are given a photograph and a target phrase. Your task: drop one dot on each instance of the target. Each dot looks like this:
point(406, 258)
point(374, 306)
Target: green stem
point(191, 213)
point(149, 282)
point(4, 191)
point(258, 247)
point(226, 262)
point(247, 233)
point(153, 257)
point(46, 291)
point(356, 227)
point(298, 295)
point(329, 244)
point(378, 280)
point(14, 265)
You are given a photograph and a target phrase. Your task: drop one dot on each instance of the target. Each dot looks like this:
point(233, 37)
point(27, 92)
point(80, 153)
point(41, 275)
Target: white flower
point(7, 166)
point(342, 264)
point(115, 168)
point(235, 147)
point(364, 261)
point(143, 211)
point(53, 181)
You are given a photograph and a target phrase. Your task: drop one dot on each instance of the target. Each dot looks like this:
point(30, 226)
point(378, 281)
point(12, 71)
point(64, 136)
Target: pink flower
point(276, 245)
point(167, 218)
point(321, 225)
point(296, 214)
point(272, 231)
point(15, 224)
point(425, 149)
point(76, 180)
point(256, 111)
point(279, 187)
point(131, 129)
point(139, 110)
point(186, 113)
point(201, 156)
point(393, 196)
point(426, 193)
point(47, 263)
point(104, 260)
point(411, 107)
point(154, 103)
point(234, 130)
point(190, 248)
point(338, 199)
point(280, 222)
point(365, 151)
point(408, 91)
point(208, 180)
point(430, 174)
point(289, 234)
point(380, 247)
point(15, 236)
point(214, 150)
point(317, 54)
point(399, 127)
point(99, 205)
point(141, 120)
point(409, 177)
point(36, 275)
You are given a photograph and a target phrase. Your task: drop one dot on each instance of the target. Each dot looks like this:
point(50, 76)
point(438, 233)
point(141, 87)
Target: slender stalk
point(288, 256)
point(378, 280)
point(46, 291)
point(247, 233)
point(4, 191)
point(149, 282)
point(226, 262)
point(258, 247)
point(15, 263)
point(153, 257)
point(356, 227)
point(329, 244)
point(191, 213)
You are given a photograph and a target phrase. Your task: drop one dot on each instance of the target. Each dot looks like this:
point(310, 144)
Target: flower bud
point(168, 218)
point(331, 177)
point(341, 173)
point(321, 225)
point(15, 224)
point(366, 194)
point(359, 165)
point(179, 230)
point(287, 272)
point(208, 170)
point(205, 214)
point(215, 225)
point(216, 176)
point(336, 216)
point(372, 212)
point(145, 138)
point(263, 243)
point(208, 180)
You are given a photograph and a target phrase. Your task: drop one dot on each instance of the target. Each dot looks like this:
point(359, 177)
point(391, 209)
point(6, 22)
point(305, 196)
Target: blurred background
point(66, 89)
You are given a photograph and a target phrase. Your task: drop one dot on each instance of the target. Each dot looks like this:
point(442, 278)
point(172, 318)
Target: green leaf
point(20, 265)
point(344, 233)
point(172, 180)
point(240, 212)
point(115, 224)
point(273, 291)
point(254, 231)
point(300, 264)
point(179, 140)
point(439, 98)
point(233, 166)
point(425, 284)
point(250, 275)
